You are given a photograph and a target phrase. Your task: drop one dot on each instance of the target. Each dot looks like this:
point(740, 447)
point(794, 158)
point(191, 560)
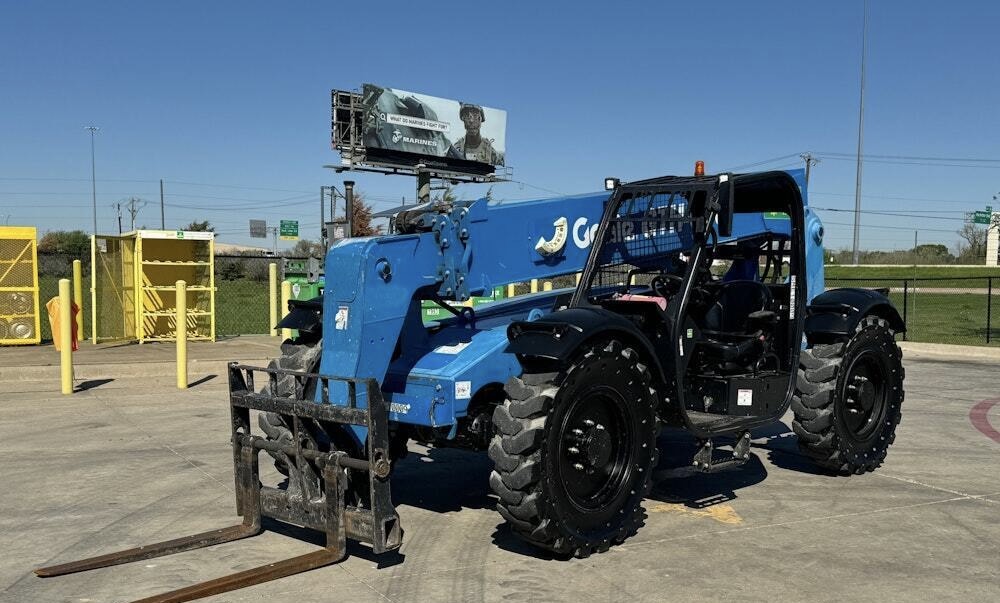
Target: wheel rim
point(596, 449)
point(865, 394)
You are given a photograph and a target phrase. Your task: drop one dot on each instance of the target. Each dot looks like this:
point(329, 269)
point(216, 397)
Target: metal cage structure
point(133, 285)
point(19, 319)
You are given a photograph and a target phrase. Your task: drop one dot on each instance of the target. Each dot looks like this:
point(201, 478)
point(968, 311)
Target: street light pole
point(93, 179)
point(861, 136)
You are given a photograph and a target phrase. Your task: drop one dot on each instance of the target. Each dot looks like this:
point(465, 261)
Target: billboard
point(400, 123)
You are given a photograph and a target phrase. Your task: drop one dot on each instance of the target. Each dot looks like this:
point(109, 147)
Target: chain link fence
point(957, 310)
point(241, 298)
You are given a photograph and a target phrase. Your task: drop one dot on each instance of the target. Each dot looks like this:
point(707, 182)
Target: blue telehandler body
point(689, 302)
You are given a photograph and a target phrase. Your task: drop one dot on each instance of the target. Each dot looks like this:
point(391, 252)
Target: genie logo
point(582, 235)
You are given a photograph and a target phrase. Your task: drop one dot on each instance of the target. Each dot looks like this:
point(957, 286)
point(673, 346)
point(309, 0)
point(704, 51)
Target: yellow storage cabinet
point(19, 321)
point(135, 278)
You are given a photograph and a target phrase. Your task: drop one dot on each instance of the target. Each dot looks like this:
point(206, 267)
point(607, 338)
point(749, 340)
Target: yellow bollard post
point(286, 294)
point(534, 285)
point(65, 336)
point(272, 279)
point(78, 296)
point(510, 290)
point(181, 335)
point(547, 286)
point(578, 275)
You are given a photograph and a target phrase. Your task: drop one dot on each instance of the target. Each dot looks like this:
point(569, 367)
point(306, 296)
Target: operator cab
point(710, 270)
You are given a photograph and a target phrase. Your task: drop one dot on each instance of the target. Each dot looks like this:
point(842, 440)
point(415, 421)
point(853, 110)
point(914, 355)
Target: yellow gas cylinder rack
point(19, 321)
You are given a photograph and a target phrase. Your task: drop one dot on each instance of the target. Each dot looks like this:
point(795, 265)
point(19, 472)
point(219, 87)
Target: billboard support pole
point(423, 186)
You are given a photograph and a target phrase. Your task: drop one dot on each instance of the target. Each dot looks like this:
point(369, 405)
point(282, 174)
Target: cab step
point(710, 459)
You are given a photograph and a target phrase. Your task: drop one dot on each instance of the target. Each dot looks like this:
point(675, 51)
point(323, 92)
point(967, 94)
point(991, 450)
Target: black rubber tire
point(529, 460)
point(821, 402)
point(295, 356)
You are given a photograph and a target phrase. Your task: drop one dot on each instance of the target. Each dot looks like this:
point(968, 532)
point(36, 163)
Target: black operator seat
point(732, 324)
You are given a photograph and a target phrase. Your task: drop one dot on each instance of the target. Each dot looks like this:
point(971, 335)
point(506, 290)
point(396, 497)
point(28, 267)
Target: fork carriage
point(315, 496)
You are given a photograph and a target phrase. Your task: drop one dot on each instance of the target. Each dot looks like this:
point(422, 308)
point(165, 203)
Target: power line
point(911, 157)
point(763, 162)
point(888, 213)
point(890, 227)
point(895, 198)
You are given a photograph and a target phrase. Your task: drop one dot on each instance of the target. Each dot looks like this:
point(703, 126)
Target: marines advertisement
point(397, 120)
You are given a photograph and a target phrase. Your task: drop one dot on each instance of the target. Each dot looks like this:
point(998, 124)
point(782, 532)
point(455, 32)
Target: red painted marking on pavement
point(979, 415)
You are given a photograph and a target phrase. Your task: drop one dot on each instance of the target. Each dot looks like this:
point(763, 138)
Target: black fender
point(837, 312)
point(305, 316)
point(559, 335)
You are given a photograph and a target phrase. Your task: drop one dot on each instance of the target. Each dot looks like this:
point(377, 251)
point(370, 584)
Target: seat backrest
point(734, 303)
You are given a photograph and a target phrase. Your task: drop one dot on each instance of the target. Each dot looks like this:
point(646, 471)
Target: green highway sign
point(289, 230)
point(981, 217)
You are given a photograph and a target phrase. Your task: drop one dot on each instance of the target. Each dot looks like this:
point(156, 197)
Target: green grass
point(241, 307)
point(942, 318)
point(919, 272)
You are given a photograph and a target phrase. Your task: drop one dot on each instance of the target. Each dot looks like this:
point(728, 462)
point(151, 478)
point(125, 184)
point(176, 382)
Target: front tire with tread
point(533, 475)
point(829, 375)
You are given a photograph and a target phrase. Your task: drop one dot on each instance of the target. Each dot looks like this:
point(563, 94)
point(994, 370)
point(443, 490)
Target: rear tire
point(574, 451)
point(848, 398)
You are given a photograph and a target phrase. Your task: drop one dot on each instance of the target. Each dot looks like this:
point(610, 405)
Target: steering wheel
point(660, 284)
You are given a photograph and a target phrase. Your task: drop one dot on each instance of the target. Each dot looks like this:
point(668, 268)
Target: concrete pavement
point(133, 461)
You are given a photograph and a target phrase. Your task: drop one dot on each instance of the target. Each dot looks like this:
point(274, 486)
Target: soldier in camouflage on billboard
point(473, 146)
point(380, 134)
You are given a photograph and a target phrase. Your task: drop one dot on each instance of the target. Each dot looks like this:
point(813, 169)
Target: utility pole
point(274, 232)
point(134, 205)
point(163, 221)
point(810, 161)
point(93, 179)
point(322, 216)
point(349, 206)
point(861, 137)
point(118, 210)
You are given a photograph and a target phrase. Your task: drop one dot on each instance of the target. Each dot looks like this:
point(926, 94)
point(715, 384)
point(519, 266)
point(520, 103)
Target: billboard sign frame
point(404, 132)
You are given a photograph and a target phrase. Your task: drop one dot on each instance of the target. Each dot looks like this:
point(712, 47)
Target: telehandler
point(701, 305)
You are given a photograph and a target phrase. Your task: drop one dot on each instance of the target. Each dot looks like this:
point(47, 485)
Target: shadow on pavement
point(204, 379)
point(783, 449)
point(91, 384)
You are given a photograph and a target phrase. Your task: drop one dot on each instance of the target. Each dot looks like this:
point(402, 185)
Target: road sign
point(258, 229)
point(981, 217)
point(289, 230)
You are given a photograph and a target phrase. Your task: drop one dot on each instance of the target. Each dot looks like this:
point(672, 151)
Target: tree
point(203, 226)
point(975, 237)
point(362, 217)
point(72, 242)
point(446, 196)
point(304, 248)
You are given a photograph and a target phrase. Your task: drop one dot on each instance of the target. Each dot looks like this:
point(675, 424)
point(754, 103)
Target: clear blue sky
point(236, 94)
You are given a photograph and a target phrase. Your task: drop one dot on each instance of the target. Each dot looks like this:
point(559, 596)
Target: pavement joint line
point(917, 483)
point(149, 436)
point(426, 572)
point(627, 545)
point(367, 585)
point(624, 593)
